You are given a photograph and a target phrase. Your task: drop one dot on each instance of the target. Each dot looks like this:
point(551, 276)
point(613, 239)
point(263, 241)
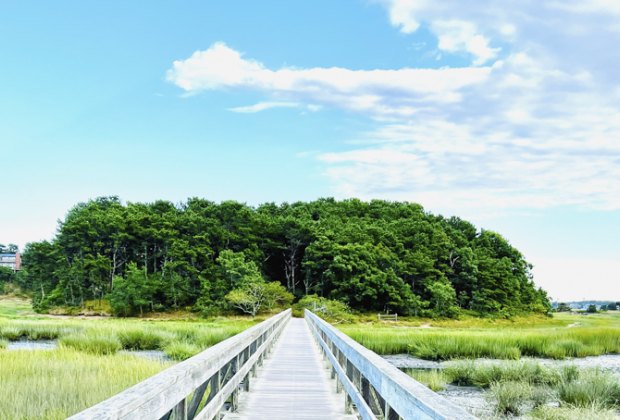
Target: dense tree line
point(374, 256)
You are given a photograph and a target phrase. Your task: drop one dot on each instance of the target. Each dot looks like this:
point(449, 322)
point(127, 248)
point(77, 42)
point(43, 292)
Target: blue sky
point(507, 116)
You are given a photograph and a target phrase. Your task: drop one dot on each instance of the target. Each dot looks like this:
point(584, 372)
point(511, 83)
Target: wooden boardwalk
point(293, 382)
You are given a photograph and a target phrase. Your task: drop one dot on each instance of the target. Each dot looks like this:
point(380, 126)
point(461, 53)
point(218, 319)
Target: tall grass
point(484, 375)
point(593, 388)
point(106, 336)
point(515, 387)
point(53, 384)
point(432, 378)
point(93, 343)
point(442, 344)
point(509, 398)
point(572, 413)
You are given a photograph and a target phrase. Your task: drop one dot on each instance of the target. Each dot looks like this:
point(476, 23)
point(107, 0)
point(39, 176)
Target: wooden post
point(234, 397)
point(179, 412)
point(348, 404)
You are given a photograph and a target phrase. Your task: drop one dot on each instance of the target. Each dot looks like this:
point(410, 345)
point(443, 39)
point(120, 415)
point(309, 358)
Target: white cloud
point(538, 128)
point(588, 6)
point(263, 106)
point(377, 92)
point(403, 13)
point(454, 35)
point(457, 35)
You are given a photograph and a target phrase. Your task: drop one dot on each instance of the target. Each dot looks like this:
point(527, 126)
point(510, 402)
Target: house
point(11, 260)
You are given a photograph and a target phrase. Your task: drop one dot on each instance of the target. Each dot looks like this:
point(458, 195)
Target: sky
point(506, 114)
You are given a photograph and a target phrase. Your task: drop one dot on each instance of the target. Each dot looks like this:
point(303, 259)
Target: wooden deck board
point(293, 382)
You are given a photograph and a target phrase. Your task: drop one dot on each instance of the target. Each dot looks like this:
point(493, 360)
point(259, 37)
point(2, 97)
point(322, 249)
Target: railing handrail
point(156, 396)
point(401, 393)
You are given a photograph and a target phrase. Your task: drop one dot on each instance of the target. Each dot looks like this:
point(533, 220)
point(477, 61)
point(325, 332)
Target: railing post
point(348, 404)
point(179, 412)
point(234, 397)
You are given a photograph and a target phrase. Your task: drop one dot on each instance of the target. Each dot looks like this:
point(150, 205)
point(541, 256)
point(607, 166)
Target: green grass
point(510, 398)
point(53, 384)
point(93, 343)
point(558, 338)
point(516, 387)
point(572, 413)
point(432, 378)
point(13, 307)
point(87, 367)
point(593, 388)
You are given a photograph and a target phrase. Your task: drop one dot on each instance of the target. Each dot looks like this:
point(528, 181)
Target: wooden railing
point(200, 387)
point(375, 388)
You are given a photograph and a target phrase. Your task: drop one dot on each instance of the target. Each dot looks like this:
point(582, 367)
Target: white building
point(11, 259)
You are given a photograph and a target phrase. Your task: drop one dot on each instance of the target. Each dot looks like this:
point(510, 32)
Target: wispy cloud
point(536, 127)
point(263, 106)
point(399, 92)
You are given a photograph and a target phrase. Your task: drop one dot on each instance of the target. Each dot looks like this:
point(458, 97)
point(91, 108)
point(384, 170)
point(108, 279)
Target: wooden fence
point(198, 388)
point(375, 388)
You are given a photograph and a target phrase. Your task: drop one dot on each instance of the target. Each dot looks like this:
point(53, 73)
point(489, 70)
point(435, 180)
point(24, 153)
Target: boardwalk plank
point(293, 383)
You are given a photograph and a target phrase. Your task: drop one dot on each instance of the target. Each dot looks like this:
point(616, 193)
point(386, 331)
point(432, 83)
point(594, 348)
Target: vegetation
point(54, 384)
point(518, 387)
point(89, 365)
point(502, 339)
point(109, 336)
point(379, 256)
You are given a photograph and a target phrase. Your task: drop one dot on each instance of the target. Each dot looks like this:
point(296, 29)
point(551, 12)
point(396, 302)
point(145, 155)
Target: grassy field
point(559, 337)
point(88, 367)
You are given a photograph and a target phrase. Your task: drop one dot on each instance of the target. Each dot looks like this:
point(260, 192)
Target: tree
point(133, 294)
point(443, 299)
point(563, 307)
point(249, 298)
point(276, 296)
point(591, 309)
point(374, 255)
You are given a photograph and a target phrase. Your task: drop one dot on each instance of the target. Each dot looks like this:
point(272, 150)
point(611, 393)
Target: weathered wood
point(292, 384)
point(158, 395)
point(403, 396)
point(387, 317)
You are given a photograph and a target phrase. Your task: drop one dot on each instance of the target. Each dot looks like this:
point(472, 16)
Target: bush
point(333, 311)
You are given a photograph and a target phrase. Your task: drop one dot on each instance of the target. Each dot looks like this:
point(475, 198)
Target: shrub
point(333, 311)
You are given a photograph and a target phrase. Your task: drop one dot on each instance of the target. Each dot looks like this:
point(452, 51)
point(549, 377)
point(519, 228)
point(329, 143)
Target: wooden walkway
point(293, 382)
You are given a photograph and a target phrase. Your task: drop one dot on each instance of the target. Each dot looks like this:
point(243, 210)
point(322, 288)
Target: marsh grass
point(592, 388)
point(435, 379)
point(86, 367)
point(181, 350)
point(93, 343)
point(515, 387)
point(484, 375)
point(572, 413)
point(53, 384)
point(143, 338)
point(443, 344)
point(509, 398)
